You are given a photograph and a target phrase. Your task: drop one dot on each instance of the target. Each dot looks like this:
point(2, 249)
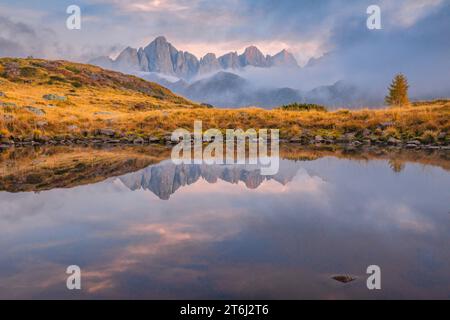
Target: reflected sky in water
point(227, 232)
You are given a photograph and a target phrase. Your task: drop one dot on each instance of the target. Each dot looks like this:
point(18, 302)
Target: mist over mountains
point(238, 80)
point(226, 89)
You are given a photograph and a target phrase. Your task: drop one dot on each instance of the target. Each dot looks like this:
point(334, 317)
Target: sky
point(413, 39)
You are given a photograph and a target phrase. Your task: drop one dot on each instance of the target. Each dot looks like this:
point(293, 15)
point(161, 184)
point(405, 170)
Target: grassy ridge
point(87, 100)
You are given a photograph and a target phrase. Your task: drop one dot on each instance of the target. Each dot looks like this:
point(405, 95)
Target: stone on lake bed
point(344, 278)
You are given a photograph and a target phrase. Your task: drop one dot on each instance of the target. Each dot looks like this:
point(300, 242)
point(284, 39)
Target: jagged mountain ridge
point(161, 56)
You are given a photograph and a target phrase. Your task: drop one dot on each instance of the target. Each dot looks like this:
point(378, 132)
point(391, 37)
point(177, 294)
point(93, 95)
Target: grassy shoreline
point(59, 102)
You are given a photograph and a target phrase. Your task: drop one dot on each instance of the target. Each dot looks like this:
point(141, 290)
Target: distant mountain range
point(220, 81)
point(160, 56)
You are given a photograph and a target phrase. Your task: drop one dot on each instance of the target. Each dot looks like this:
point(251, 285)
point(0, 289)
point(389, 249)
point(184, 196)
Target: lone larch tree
point(398, 91)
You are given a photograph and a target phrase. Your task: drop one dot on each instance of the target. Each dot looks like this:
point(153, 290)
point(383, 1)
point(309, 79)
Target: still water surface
point(227, 232)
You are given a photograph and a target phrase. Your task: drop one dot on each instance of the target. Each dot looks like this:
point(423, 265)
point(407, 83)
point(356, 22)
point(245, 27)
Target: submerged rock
point(344, 278)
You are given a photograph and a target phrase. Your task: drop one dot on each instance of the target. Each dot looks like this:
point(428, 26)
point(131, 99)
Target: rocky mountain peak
point(283, 59)
point(252, 56)
point(160, 56)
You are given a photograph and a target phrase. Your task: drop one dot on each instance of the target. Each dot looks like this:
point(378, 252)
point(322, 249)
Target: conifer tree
point(398, 91)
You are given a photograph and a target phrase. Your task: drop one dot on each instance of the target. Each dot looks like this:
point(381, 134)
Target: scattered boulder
point(36, 111)
point(8, 104)
point(41, 124)
point(72, 128)
point(54, 97)
point(385, 125)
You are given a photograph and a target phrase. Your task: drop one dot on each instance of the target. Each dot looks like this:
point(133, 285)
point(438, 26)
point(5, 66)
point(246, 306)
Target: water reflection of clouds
point(226, 240)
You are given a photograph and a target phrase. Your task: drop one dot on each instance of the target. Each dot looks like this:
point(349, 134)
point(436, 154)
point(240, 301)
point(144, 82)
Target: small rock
point(415, 142)
point(356, 143)
point(8, 104)
point(153, 139)
point(319, 139)
point(393, 141)
point(2, 94)
point(112, 141)
point(54, 97)
point(41, 124)
point(442, 135)
point(138, 141)
point(384, 125)
point(107, 132)
point(99, 113)
point(344, 278)
point(36, 111)
point(366, 133)
point(72, 128)
point(411, 146)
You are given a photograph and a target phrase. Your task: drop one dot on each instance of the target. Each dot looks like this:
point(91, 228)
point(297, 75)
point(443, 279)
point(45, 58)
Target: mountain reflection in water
point(195, 231)
point(166, 178)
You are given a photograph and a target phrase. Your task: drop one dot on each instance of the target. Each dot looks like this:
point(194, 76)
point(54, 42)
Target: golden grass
point(157, 112)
